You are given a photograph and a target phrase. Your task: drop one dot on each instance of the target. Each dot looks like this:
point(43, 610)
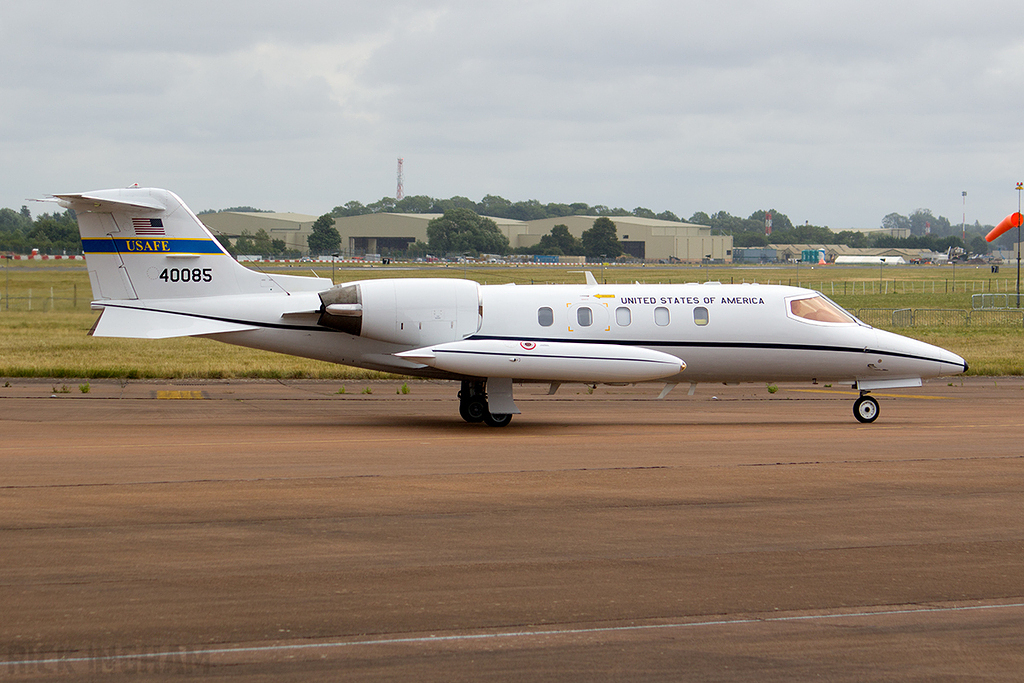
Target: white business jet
point(157, 272)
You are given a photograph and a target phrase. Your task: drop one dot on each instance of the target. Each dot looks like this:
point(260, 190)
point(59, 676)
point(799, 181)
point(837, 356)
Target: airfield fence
point(898, 286)
point(990, 308)
point(986, 302)
point(45, 299)
point(940, 317)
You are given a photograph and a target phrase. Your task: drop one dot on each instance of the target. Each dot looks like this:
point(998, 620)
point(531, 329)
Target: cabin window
point(700, 316)
point(584, 316)
point(545, 316)
point(661, 316)
point(623, 317)
point(818, 309)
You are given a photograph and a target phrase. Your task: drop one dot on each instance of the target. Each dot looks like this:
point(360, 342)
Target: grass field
point(45, 315)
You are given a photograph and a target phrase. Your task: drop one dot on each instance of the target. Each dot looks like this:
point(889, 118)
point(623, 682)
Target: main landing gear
point(473, 405)
point(865, 408)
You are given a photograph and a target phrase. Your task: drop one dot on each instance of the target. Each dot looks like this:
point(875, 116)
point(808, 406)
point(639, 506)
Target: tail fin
point(144, 243)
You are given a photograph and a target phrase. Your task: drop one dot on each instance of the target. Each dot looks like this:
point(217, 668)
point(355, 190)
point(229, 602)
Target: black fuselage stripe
point(763, 346)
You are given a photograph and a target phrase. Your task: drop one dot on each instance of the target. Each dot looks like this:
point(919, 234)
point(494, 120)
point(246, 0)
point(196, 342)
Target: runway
point(285, 531)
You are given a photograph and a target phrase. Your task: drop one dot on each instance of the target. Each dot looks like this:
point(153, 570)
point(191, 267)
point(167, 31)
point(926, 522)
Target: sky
point(834, 113)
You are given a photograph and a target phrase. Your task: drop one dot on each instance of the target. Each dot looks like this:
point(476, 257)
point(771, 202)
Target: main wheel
point(500, 420)
point(865, 409)
point(474, 410)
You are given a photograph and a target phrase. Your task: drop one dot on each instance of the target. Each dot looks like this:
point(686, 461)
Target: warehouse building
point(643, 238)
point(375, 233)
point(649, 239)
point(293, 228)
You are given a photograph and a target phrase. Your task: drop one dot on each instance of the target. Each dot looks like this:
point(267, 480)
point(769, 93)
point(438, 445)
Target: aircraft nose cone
point(950, 358)
point(948, 361)
point(938, 361)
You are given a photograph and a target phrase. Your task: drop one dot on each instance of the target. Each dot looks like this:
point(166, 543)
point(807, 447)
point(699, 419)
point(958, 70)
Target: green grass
point(51, 340)
point(56, 344)
point(988, 351)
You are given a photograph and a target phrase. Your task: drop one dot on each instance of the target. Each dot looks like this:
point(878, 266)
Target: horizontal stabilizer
point(137, 323)
point(83, 201)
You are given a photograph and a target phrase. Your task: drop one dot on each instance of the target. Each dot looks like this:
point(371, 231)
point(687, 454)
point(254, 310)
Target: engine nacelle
point(414, 311)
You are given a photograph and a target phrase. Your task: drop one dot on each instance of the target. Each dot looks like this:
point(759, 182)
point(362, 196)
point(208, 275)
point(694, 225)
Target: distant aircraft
point(157, 272)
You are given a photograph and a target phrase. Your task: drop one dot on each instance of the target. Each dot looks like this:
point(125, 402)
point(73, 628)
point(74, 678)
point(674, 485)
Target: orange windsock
point(1012, 221)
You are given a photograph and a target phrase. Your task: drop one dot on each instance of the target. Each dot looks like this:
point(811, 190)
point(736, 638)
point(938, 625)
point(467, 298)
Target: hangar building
point(293, 228)
point(642, 238)
point(372, 232)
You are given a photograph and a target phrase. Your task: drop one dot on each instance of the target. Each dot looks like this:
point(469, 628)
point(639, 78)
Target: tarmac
point(286, 531)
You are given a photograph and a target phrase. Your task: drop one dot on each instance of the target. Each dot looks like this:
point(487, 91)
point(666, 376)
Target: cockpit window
point(819, 309)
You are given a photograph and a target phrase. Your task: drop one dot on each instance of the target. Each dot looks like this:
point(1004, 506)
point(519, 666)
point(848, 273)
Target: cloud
point(837, 113)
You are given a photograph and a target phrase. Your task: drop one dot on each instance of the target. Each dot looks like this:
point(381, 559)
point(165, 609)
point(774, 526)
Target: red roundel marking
point(529, 346)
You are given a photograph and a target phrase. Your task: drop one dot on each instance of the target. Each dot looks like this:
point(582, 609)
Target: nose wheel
point(865, 409)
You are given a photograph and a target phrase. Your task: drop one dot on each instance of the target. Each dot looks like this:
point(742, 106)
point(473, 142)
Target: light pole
point(963, 226)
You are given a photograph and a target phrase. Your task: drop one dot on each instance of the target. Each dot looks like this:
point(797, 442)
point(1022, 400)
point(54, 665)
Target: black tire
point(865, 409)
point(499, 420)
point(474, 410)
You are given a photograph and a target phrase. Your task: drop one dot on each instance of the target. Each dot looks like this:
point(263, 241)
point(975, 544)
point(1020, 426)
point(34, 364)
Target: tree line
point(493, 206)
point(463, 232)
point(57, 233)
point(259, 244)
point(51, 233)
point(927, 231)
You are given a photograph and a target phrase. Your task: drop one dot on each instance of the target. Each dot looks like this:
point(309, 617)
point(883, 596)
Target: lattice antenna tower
point(400, 192)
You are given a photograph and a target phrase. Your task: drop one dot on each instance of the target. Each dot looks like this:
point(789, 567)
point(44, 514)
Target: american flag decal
point(148, 226)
